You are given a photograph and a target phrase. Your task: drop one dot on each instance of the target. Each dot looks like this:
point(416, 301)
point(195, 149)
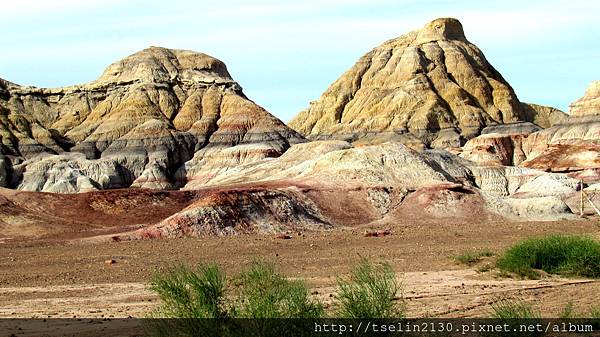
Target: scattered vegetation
point(370, 292)
point(185, 293)
point(470, 258)
point(595, 312)
point(485, 268)
point(263, 293)
point(519, 309)
point(513, 309)
point(568, 312)
point(555, 254)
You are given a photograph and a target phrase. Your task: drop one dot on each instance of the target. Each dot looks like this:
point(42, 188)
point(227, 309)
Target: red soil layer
point(565, 158)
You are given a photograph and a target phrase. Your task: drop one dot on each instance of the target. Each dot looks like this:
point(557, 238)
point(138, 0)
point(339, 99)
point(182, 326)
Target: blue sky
point(285, 54)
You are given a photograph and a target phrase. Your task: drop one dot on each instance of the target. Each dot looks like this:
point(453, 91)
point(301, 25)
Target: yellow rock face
point(589, 104)
point(425, 81)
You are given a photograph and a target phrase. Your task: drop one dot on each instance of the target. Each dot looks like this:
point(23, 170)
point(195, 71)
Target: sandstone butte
point(428, 88)
point(156, 119)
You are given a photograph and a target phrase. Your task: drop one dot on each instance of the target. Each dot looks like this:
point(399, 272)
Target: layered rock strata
point(432, 84)
point(155, 119)
point(573, 144)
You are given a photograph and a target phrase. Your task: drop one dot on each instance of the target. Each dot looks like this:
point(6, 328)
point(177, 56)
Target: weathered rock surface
point(67, 216)
point(589, 104)
point(543, 116)
point(499, 145)
point(432, 83)
point(396, 181)
point(238, 212)
point(164, 119)
point(521, 193)
point(570, 145)
point(336, 164)
point(70, 173)
point(546, 208)
point(148, 115)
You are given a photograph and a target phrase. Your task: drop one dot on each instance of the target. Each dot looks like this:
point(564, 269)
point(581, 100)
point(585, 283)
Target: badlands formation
point(155, 119)
point(430, 87)
point(421, 127)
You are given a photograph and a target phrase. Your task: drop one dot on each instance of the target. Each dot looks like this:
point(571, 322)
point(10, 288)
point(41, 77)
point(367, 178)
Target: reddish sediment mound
point(34, 215)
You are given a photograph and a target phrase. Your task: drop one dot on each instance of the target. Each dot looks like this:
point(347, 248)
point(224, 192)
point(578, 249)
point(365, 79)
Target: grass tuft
point(568, 312)
point(513, 309)
point(370, 292)
point(264, 293)
point(470, 258)
point(555, 254)
point(595, 312)
point(188, 294)
point(185, 293)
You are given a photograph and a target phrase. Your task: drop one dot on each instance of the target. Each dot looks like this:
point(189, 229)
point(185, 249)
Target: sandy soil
point(72, 279)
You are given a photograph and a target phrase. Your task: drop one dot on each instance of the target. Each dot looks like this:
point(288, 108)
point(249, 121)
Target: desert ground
point(60, 277)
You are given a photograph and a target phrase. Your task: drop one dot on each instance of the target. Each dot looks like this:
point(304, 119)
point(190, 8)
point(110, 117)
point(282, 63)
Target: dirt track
point(66, 280)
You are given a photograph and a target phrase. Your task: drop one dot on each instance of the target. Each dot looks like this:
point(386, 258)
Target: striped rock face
point(148, 121)
point(431, 83)
point(573, 144)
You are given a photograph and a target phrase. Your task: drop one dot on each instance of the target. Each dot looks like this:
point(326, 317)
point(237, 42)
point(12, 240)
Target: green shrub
point(595, 312)
point(370, 292)
point(472, 257)
point(568, 312)
point(185, 293)
point(513, 309)
point(264, 293)
point(556, 254)
point(261, 293)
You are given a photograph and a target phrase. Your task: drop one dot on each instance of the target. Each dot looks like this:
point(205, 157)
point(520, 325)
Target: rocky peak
point(3, 90)
point(157, 119)
point(157, 64)
point(589, 104)
point(441, 29)
point(431, 83)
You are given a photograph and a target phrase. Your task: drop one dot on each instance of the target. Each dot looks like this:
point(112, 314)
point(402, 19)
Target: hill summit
point(157, 118)
point(430, 86)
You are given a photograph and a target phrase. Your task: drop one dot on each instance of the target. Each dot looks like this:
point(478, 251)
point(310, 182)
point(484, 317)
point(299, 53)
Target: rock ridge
point(431, 83)
point(149, 114)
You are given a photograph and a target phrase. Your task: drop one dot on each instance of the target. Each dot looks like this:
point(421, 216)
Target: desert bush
point(369, 292)
point(568, 312)
point(264, 293)
point(556, 254)
point(513, 309)
point(185, 293)
point(261, 292)
point(470, 258)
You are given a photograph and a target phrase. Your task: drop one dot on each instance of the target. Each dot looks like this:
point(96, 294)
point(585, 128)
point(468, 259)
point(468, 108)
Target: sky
point(285, 54)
